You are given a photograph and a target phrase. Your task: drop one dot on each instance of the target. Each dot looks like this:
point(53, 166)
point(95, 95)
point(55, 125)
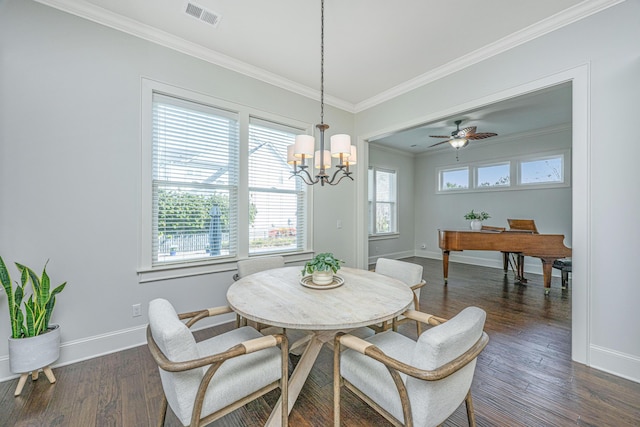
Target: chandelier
point(303, 149)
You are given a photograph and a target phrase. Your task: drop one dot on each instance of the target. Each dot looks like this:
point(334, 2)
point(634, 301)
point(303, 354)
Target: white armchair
point(413, 383)
point(411, 275)
point(254, 265)
point(203, 381)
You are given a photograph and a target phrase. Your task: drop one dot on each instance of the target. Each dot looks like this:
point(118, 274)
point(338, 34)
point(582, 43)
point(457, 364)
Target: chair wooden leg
point(163, 411)
point(336, 386)
point(21, 382)
point(470, 414)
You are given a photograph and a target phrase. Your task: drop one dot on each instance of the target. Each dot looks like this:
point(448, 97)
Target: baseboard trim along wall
point(99, 345)
point(616, 363)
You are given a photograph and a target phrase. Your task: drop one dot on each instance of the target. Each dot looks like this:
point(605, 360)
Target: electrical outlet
point(136, 310)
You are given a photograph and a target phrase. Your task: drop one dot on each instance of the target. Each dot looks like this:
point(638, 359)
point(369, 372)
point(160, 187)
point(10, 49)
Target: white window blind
point(195, 181)
point(277, 211)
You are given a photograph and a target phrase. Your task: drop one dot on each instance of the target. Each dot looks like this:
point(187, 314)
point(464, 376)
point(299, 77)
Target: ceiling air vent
point(203, 14)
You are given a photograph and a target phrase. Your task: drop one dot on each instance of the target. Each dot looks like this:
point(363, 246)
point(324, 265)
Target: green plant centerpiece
point(476, 219)
point(33, 344)
point(322, 268)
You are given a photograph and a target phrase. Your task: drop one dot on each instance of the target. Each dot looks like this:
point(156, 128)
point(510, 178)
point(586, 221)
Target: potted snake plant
point(322, 268)
point(34, 343)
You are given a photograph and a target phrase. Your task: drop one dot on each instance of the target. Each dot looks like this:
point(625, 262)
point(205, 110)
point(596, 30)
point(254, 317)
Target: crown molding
point(104, 17)
point(137, 29)
point(557, 21)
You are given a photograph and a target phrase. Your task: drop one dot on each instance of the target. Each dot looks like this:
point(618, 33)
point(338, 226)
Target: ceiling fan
point(460, 137)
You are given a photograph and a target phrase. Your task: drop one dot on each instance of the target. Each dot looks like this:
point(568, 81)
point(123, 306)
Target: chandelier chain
point(297, 158)
point(322, 62)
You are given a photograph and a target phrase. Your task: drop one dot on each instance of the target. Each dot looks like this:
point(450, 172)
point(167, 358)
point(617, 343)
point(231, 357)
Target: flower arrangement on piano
point(480, 216)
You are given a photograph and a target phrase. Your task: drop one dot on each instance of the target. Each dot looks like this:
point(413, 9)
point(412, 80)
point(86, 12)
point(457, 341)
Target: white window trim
point(566, 169)
point(439, 183)
point(396, 232)
point(476, 167)
point(146, 271)
point(514, 172)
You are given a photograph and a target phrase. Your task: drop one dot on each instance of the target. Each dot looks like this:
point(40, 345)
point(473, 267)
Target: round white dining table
point(277, 297)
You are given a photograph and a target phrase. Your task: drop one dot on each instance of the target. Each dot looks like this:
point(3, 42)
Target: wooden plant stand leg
point(21, 382)
point(49, 373)
point(34, 376)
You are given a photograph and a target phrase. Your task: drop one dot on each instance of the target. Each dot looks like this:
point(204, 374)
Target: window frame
point(476, 173)
point(440, 180)
point(147, 272)
point(372, 183)
point(534, 158)
point(514, 171)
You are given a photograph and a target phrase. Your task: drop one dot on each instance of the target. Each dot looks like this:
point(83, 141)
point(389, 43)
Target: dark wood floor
point(524, 377)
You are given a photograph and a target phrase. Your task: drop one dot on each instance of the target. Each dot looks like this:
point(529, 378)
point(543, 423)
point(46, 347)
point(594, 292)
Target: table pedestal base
point(300, 373)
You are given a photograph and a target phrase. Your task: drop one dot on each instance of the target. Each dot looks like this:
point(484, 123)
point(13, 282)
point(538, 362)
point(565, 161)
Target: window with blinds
point(195, 181)
point(277, 211)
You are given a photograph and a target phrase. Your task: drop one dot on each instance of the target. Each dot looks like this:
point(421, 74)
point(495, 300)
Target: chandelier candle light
point(304, 146)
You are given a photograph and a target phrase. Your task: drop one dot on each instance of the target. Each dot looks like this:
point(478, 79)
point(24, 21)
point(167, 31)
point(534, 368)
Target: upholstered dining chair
point(413, 383)
point(255, 265)
point(411, 275)
point(203, 381)
point(297, 339)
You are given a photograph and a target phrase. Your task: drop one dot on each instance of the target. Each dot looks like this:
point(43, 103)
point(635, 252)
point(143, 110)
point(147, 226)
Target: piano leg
point(547, 265)
point(520, 269)
point(445, 266)
point(505, 262)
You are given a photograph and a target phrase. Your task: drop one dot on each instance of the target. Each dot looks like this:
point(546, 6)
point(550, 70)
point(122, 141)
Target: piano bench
point(564, 265)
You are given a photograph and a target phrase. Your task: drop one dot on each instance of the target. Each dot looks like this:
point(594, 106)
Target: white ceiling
point(374, 49)
point(545, 109)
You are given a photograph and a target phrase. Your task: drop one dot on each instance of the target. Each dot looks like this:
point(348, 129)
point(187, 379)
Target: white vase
point(33, 353)
point(476, 225)
point(322, 277)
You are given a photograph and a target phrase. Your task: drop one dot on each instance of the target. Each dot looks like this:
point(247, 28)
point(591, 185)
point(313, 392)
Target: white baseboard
point(616, 363)
point(395, 255)
point(100, 345)
point(88, 348)
point(531, 265)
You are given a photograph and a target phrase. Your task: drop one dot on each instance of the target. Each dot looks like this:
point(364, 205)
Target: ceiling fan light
point(458, 142)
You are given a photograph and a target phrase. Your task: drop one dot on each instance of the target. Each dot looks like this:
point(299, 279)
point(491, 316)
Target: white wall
point(70, 161)
point(549, 207)
point(400, 245)
point(604, 50)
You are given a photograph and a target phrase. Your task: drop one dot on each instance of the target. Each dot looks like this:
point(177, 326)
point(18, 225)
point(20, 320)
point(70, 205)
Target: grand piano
point(522, 239)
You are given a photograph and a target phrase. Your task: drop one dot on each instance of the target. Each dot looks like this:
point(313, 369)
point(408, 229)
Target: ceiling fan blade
point(440, 136)
point(467, 131)
point(481, 135)
point(438, 143)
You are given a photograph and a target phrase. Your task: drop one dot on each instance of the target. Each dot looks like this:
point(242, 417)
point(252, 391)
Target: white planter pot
point(476, 224)
point(322, 277)
point(33, 353)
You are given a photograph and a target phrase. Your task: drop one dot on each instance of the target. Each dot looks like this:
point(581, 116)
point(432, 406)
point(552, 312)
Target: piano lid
point(522, 225)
